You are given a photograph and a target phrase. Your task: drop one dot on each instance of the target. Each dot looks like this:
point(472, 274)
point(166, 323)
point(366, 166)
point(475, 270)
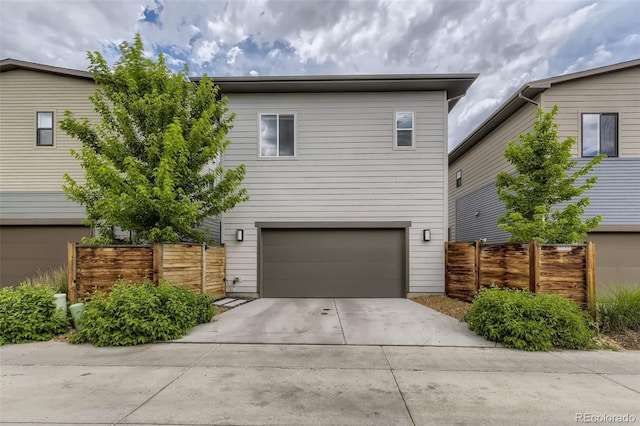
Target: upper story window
point(277, 135)
point(404, 130)
point(458, 178)
point(44, 131)
point(600, 134)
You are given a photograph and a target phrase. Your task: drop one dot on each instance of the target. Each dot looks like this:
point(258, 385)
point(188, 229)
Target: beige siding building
point(601, 109)
point(36, 219)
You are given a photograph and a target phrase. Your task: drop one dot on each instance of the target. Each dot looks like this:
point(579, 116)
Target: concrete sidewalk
point(336, 322)
point(228, 384)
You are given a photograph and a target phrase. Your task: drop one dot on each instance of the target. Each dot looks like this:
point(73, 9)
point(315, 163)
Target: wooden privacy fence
point(98, 268)
point(566, 270)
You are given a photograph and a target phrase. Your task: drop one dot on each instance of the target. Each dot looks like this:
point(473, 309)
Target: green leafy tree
point(146, 160)
point(544, 179)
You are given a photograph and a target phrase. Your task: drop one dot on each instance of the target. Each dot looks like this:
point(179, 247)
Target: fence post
point(534, 266)
point(591, 278)
point(203, 267)
point(71, 271)
point(446, 268)
point(476, 265)
point(157, 263)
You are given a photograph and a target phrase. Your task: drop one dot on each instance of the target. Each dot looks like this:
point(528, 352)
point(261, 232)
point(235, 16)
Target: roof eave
point(14, 64)
point(530, 90)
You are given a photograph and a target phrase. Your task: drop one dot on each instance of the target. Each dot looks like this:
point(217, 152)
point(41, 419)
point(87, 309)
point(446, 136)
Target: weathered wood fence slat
point(566, 270)
point(98, 268)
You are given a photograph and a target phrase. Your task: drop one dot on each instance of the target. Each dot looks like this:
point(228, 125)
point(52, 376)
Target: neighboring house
point(601, 109)
point(346, 175)
point(36, 219)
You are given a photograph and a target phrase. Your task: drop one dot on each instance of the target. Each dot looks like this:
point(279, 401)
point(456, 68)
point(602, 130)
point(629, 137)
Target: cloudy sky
point(508, 42)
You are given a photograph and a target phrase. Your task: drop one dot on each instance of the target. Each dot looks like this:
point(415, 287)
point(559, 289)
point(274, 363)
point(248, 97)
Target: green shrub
point(533, 322)
point(620, 310)
point(56, 278)
point(28, 313)
point(141, 313)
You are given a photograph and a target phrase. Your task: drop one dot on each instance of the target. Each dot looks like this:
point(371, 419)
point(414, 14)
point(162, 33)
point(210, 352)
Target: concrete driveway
point(397, 322)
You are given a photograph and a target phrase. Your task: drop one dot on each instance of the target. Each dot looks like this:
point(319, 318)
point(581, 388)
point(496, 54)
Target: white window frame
point(52, 128)
point(412, 147)
point(581, 115)
point(295, 136)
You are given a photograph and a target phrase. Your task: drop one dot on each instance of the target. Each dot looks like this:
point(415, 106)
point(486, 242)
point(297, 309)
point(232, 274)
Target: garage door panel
point(333, 262)
point(349, 271)
point(327, 289)
point(325, 254)
point(25, 250)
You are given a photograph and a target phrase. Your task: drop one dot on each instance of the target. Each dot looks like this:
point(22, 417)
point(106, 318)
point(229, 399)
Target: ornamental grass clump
point(620, 309)
point(142, 313)
point(533, 322)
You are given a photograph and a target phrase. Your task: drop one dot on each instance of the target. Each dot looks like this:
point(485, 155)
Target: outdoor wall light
point(426, 235)
point(239, 235)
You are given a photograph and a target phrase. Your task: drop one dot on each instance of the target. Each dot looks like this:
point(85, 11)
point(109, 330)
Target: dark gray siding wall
point(616, 197)
point(213, 223)
point(38, 205)
point(477, 216)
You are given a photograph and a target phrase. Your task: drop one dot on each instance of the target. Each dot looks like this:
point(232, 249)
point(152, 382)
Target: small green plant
point(533, 322)
point(141, 313)
point(28, 313)
point(56, 278)
point(620, 309)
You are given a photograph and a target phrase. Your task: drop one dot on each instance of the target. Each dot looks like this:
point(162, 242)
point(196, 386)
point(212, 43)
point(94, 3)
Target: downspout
point(521, 96)
point(456, 97)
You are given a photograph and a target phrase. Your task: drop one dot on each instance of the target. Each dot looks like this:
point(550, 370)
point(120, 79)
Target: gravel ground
point(452, 307)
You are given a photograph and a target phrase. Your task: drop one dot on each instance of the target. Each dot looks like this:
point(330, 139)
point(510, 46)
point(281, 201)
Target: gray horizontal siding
point(51, 205)
point(213, 223)
point(38, 205)
point(616, 197)
point(346, 170)
point(477, 216)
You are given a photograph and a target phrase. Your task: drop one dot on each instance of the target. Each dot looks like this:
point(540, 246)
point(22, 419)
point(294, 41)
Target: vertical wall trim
point(445, 168)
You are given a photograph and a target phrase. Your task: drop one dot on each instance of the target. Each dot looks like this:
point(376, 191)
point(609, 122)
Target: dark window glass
point(286, 140)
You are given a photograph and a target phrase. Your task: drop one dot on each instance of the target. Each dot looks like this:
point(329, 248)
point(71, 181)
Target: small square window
point(277, 135)
point(600, 134)
point(404, 130)
point(458, 178)
point(44, 132)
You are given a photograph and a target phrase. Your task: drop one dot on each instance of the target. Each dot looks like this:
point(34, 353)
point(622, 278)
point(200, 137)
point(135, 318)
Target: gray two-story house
point(347, 178)
point(601, 109)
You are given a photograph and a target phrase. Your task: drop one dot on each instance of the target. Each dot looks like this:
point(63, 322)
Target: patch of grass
point(619, 309)
point(532, 322)
point(28, 313)
point(142, 313)
point(56, 278)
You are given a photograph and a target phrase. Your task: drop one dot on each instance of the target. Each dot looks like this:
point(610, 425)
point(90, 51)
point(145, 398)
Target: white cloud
point(254, 73)
point(232, 54)
point(205, 52)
